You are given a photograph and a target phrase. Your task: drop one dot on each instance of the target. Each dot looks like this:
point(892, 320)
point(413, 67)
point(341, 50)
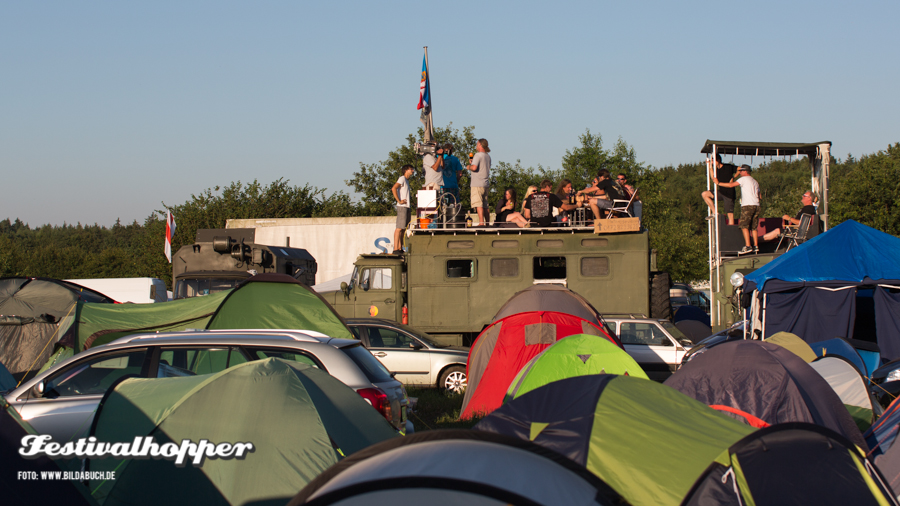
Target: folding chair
point(795, 235)
point(622, 206)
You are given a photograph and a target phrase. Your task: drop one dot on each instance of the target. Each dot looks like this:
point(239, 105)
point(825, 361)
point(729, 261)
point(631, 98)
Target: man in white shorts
point(401, 195)
point(481, 179)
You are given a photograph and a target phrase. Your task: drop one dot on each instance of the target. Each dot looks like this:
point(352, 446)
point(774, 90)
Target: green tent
point(265, 301)
point(850, 386)
point(277, 301)
point(647, 441)
point(299, 419)
point(575, 355)
point(794, 344)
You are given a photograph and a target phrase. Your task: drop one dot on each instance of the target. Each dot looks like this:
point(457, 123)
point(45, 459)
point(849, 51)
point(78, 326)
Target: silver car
point(62, 400)
point(655, 344)
point(413, 357)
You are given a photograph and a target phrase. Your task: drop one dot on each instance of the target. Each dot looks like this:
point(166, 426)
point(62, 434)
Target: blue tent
point(811, 290)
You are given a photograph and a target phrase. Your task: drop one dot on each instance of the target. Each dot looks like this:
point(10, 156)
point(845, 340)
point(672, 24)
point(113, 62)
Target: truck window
point(504, 267)
point(379, 278)
point(549, 267)
point(594, 266)
point(460, 268)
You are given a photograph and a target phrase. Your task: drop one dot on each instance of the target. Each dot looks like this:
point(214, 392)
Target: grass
point(437, 409)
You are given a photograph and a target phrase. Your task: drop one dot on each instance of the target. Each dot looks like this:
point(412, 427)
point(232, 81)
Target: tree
point(867, 190)
point(374, 180)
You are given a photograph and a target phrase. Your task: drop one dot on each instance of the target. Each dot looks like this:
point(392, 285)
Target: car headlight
point(893, 376)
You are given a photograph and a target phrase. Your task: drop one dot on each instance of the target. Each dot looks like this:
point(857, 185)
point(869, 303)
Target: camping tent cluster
point(265, 301)
point(527, 325)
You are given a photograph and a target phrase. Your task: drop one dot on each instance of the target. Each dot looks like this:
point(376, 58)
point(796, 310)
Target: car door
point(402, 354)
point(66, 408)
point(650, 347)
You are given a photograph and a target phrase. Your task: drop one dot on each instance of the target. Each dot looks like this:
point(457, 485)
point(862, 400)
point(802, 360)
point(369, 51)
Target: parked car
point(681, 294)
point(412, 355)
point(736, 332)
point(655, 344)
point(62, 400)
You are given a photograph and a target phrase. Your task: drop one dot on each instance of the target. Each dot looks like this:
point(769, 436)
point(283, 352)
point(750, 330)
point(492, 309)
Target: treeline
point(864, 189)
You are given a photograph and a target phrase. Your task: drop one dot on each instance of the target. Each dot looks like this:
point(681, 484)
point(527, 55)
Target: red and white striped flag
point(170, 231)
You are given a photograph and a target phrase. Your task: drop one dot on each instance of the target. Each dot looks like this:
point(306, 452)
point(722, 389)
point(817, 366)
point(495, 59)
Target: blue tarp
point(812, 288)
point(849, 252)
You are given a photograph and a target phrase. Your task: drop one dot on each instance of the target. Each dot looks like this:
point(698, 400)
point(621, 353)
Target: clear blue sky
point(108, 109)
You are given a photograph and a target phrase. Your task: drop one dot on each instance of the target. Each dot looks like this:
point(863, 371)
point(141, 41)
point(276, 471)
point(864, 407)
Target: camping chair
point(795, 235)
point(622, 206)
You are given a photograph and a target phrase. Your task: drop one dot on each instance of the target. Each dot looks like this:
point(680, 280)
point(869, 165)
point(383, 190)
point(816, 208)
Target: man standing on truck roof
point(724, 172)
point(434, 171)
point(450, 168)
point(749, 207)
point(401, 195)
point(480, 166)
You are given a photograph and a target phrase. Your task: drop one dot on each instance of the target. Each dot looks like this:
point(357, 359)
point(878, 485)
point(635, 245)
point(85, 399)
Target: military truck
point(451, 282)
point(219, 259)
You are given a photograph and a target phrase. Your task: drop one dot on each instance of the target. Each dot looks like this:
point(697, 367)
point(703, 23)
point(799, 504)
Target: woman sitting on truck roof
point(506, 209)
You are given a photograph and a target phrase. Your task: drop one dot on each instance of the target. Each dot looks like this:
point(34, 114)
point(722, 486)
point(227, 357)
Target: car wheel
point(453, 379)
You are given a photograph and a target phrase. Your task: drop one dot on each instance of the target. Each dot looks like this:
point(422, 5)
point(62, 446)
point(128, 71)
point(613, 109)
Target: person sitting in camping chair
point(786, 221)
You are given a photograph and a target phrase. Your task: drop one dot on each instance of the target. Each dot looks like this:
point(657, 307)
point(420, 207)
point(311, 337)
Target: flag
point(425, 101)
point(170, 231)
point(424, 91)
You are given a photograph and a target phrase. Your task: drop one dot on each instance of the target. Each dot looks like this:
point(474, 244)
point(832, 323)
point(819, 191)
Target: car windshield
point(677, 334)
point(374, 370)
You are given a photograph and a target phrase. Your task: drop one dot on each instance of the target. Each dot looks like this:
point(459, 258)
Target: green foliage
point(868, 190)
point(864, 189)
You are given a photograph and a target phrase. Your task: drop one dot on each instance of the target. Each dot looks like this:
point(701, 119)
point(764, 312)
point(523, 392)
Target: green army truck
point(219, 259)
point(451, 282)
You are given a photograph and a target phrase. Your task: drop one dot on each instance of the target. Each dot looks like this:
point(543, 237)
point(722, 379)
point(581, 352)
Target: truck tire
point(660, 306)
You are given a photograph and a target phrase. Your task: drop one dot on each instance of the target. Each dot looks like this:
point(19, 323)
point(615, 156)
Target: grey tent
point(457, 467)
point(549, 298)
point(764, 384)
point(34, 314)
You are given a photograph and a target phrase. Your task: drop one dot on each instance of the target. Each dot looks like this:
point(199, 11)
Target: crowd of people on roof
point(539, 207)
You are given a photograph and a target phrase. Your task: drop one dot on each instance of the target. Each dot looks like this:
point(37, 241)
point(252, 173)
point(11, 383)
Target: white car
point(655, 344)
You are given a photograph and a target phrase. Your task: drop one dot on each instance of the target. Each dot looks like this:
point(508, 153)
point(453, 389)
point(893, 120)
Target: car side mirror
point(37, 391)
point(666, 342)
point(416, 345)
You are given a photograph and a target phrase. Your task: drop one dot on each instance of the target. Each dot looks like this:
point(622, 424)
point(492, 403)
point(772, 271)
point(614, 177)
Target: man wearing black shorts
point(724, 173)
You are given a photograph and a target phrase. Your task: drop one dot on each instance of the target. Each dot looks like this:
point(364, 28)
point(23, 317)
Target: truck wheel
point(453, 379)
point(660, 306)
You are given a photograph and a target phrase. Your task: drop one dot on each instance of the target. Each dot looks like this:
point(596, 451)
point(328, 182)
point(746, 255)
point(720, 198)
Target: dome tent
point(546, 297)
point(34, 314)
point(576, 355)
point(647, 441)
point(505, 346)
point(791, 463)
point(764, 384)
point(456, 467)
point(299, 419)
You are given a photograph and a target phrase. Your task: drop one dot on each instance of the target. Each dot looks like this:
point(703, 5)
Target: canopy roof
point(845, 255)
point(763, 148)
